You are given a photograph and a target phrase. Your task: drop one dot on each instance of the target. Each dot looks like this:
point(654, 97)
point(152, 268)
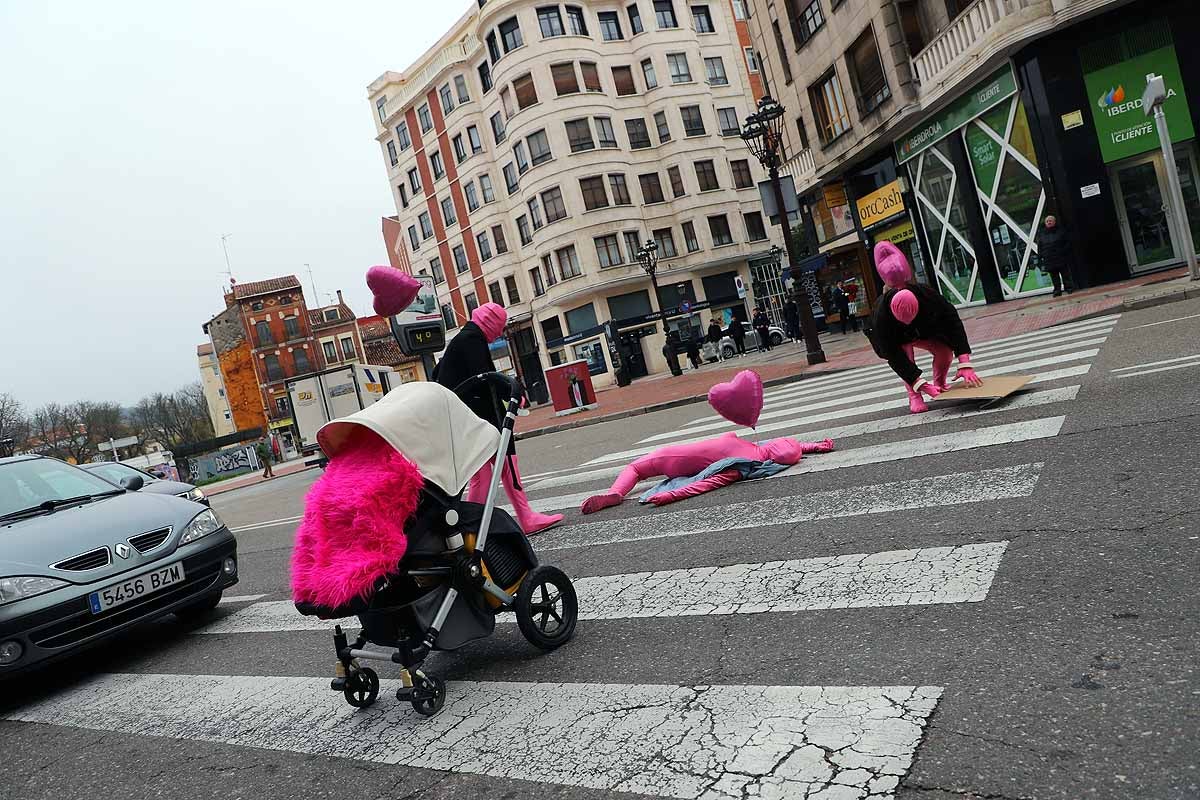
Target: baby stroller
point(464, 563)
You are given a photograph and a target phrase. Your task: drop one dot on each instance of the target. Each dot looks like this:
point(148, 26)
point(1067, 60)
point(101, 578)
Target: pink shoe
point(532, 522)
point(916, 403)
point(600, 502)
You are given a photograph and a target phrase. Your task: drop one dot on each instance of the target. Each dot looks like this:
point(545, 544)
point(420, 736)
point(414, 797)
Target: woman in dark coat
point(762, 327)
point(737, 332)
point(1054, 249)
point(791, 319)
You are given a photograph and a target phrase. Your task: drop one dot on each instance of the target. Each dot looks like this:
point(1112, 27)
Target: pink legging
point(942, 358)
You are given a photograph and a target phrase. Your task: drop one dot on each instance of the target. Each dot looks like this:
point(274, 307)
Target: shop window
point(565, 80)
point(945, 225)
point(593, 354)
point(866, 73)
point(620, 189)
point(581, 319)
point(830, 107)
point(525, 91)
point(651, 188)
point(594, 194)
point(623, 81)
point(552, 329)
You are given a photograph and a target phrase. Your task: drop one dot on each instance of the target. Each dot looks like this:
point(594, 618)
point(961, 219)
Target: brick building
point(236, 362)
point(380, 348)
point(336, 331)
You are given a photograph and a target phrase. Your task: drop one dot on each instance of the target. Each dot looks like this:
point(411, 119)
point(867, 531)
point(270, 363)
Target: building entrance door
point(1140, 190)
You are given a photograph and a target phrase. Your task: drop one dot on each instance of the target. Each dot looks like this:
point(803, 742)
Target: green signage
point(997, 87)
point(1116, 102)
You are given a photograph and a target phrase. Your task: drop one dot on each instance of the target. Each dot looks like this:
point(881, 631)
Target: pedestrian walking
point(791, 319)
point(693, 350)
point(264, 455)
point(1054, 248)
point(841, 301)
point(671, 353)
point(715, 334)
point(762, 328)
point(737, 332)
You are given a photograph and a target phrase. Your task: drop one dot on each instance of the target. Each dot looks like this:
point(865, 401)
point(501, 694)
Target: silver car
point(82, 560)
point(777, 337)
point(117, 473)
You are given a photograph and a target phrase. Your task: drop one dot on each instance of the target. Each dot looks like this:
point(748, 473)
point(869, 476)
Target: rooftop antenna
point(228, 268)
point(313, 282)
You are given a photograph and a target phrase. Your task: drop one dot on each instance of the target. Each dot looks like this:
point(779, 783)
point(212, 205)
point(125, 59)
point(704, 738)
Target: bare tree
point(55, 431)
point(99, 422)
point(14, 426)
point(174, 419)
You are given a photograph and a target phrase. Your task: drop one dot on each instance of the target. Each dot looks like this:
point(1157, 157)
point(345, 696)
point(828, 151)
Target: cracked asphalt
point(1075, 677)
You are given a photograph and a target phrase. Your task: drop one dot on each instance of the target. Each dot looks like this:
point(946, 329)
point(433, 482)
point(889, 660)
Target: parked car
point(115, 472)
point(82, 560)
point(778, 336)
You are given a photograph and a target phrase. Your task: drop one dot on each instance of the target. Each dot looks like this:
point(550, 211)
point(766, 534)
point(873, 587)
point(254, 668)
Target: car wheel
point(776, 340)
point(728, 351)
point(200, 608)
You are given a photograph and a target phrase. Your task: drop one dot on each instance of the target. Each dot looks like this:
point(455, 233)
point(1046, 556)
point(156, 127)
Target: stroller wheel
point(428, 695)
point(362, 687)
point(547, 607)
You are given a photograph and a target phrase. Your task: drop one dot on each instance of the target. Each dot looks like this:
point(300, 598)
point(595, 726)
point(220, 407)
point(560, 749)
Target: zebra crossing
point(684, 741)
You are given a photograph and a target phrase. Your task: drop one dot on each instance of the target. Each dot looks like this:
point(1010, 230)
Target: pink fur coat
point(354, 517)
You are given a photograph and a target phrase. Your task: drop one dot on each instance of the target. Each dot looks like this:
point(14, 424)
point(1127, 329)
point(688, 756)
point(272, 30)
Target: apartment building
point(953, 128)
point(214, 390)
point(538, 146)
point(336, 330)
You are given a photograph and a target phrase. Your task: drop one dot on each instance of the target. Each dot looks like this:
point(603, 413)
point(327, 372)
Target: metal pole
point(1178, 209)
point(808, 324)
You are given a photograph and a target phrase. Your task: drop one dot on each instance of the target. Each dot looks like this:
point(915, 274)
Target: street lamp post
point(648, 258)
point(763, 134)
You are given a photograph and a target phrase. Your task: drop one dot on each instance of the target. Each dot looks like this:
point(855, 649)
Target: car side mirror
point(132, 483)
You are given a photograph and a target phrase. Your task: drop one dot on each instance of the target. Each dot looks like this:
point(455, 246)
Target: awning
point(845, 240)
point(281, 423)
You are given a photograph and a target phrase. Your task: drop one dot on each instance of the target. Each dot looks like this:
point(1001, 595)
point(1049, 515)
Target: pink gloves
point(928, 388)
point(966, 373)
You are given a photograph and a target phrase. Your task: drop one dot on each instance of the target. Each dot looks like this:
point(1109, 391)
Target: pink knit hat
point(892, 266)
point(904, 306)
point(491, 319)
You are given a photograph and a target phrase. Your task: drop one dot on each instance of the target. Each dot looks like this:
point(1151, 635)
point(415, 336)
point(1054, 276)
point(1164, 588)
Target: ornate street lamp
point(763, 134)
point(648, 258)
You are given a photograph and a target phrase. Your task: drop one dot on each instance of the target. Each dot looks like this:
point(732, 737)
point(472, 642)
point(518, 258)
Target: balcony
point(422, 80)
point(803, 169)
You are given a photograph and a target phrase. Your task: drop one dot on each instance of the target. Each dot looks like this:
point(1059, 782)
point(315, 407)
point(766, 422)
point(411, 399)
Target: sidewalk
point(290, 468)
point(787, 363)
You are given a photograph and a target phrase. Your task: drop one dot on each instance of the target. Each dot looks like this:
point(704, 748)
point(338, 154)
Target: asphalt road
point(991, 602)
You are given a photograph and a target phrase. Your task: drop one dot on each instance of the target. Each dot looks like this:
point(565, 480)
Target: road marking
point(844, 432)
point(1158, 363)
point(710, 742)
point(240, 598)
point(934, 492)
point(1194, 363)
point(1164, 322)
point(271, 523)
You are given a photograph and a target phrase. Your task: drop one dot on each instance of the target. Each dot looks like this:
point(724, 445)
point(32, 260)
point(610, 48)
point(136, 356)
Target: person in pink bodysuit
point(683, 460)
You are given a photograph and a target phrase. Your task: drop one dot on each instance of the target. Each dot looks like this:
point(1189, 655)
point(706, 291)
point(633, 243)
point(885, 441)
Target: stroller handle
point(503, 384)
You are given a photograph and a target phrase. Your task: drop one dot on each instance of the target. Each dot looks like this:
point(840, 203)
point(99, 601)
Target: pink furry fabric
point(354, 517)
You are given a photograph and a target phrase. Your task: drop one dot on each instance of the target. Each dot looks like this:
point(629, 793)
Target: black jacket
point(841, 300)
point(466, 356)
point(791, 313)
point(714, 333)
point(1054, 248)
point(936, 320)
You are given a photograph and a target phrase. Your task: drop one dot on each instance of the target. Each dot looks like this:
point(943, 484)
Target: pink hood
point(892, 265)
point(905, 306)
point(491, 319)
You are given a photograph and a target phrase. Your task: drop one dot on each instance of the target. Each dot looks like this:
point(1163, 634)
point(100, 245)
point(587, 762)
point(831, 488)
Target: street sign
point(741, 287)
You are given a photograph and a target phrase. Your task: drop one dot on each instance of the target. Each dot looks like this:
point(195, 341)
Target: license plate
point(121, 593)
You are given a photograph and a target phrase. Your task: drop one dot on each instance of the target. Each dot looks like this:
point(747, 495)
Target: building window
point(535, 213)
point(594, 194)
point(706, 175)
point(426, 225)
point(755, 231)
point(552, 202)
point(274, 371)
point(648, 74)
point(565, 80)
point(291, 328)
point(485, 246)
point(800, 128)
point(591, 76)
point(331, 315)
point(539, 148)
point(498, 127)
point(664, 130)
point(639, 137)
point(379, 108)
point(783, 54)
point(608, 251)
point(348, 347)
point(718, 228)
point(702, 20)
point(693, 121)
point(568, 262)
point(548, 270)
point(605, 134)
point(485, 75)
point(635, 19)
point(576, 21)
point(300, 361)
point(678, 64)
point(550, 21)
point(413, 237)
point(472, 196)
point(675, 175)
point(666, 242)
point(620, 189)
point(633, 243)
point(651, 188)
point(435, 266)
point(714, 68)
point(435, 163)
point(460, 148)
point(472, 302)
point(522, 159)
point(523, 230)
point(664, 14)
point(742, 179)
point(535, 278)
point(403, 136)
point(866, 73)
point(403, 195)
point(727, 118)
point(623, 81)
point(494, 293)
point(510, 287)
point(498, 238)
point(391, 150)
point(579, 135)
point(330, 349)
point(511, 181)
point(474, 139)
point(485, 186)
point(689, 237)
point(829, 106)
point(740, 12)
point(751, 60)
point(425, 118)
point(510, 35)
point(805, 19)
point(460, 259)
point(262, 334)
point(525, 90)
point(447, 99)
point(460, 86)
point(448, 317)
point(493, 47)
point(610, 26)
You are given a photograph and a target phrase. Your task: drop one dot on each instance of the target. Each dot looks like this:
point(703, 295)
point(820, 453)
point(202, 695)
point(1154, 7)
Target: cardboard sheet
point(993, 388)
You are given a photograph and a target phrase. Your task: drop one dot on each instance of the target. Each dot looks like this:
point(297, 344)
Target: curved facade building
point(537, 146)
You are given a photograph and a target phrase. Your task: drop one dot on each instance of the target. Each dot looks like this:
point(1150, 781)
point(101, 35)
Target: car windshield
point(116, 472)
point(28, 484)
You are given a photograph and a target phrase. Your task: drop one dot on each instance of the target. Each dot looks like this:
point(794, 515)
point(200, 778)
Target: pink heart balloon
point(740, 400)
point(394, 290)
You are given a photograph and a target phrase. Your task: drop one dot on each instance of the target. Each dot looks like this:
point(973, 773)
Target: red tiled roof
point(316, 317)
point(375, 327)
point(384, 353)
point(254, 288)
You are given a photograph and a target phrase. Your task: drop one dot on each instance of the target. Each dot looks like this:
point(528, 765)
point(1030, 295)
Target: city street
point(983, 601)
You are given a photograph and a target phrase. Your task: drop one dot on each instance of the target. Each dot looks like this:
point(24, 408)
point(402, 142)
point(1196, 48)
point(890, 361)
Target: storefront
point(843, 255)
point(980, 195)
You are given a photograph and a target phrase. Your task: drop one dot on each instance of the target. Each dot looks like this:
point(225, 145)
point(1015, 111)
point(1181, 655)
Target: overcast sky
point(134, 134)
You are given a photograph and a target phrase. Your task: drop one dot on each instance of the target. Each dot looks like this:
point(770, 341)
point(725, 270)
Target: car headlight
point(195, 494)
point(202, 525)
point(19, 588)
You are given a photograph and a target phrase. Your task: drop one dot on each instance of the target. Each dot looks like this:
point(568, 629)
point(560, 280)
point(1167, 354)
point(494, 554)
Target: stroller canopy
point(430, 426)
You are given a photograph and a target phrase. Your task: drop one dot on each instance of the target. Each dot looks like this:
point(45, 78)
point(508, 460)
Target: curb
point(1187, 292)
point(228, 489)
